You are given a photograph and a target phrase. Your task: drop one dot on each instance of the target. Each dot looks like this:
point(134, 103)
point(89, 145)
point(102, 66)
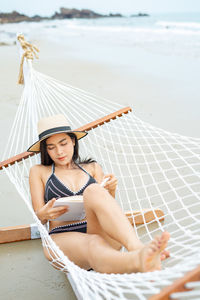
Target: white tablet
point(76, 208)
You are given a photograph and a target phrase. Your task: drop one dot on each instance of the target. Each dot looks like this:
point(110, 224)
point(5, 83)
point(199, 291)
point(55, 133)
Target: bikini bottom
point(74, 227)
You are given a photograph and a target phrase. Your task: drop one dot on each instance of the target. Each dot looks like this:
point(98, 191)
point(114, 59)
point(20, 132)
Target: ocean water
point(165, 34)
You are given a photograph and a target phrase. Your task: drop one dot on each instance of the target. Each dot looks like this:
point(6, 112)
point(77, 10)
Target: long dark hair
point(47, 161)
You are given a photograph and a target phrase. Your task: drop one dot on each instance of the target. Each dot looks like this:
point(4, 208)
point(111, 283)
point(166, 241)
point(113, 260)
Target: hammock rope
point(155, 169)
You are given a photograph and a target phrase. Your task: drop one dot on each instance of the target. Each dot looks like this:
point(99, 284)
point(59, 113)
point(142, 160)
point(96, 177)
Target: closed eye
point(50, 148)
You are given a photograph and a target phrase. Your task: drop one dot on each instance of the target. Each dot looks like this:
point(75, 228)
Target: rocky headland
point(65, 13)
point(15, 17)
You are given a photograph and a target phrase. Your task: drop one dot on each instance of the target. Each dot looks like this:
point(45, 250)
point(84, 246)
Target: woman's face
point(60, 148)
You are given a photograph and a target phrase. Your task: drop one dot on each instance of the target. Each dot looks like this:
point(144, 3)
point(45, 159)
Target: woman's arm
point(43, 211)
point(111, 184)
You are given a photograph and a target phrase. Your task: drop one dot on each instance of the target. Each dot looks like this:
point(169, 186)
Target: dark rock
point(115, 15)
point(69, 13)
point(37, 18)
point(15, 17)
point(4, 44)
point(12, 17)
point(65, 13)
point(140, 15)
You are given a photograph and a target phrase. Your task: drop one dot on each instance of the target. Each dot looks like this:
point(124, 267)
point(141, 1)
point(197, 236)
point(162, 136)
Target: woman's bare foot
point(150, 255)
point(164, 254)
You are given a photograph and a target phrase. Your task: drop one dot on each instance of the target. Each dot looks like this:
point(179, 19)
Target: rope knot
point(30, 51)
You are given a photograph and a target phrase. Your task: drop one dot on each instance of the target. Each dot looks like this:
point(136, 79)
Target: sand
point(26, 274)
point(169, 103)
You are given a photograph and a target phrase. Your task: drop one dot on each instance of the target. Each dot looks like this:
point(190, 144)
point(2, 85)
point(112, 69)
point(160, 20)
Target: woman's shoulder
point(39, 173)
point(92, 168)
point(39, 169)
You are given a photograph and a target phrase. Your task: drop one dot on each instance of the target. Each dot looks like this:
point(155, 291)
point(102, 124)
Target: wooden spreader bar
point(178, 285)
point(15, 233)
point(86, 127)
point(29, 232)
point(105, 119)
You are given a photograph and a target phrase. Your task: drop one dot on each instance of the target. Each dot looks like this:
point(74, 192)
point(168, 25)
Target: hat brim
point(36, 146)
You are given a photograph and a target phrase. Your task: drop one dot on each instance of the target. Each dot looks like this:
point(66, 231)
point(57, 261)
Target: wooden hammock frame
point(27, 232)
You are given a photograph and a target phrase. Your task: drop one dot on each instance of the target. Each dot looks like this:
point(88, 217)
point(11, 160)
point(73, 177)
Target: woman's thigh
point(74, 245)
point(93, 225)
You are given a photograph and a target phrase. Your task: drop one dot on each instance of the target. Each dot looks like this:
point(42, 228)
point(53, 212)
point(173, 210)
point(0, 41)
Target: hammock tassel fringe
point(29, 52)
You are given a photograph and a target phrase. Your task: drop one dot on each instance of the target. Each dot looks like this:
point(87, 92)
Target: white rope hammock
point(155, 169)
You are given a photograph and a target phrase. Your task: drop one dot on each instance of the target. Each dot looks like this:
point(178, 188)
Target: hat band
point(54, 130)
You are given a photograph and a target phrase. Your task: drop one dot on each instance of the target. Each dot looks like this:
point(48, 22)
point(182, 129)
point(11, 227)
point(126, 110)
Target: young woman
point(96, 243)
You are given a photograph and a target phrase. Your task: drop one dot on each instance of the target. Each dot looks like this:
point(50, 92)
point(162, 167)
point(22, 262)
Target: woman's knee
point(93, 192)
point(90, 189)
point(89, 194)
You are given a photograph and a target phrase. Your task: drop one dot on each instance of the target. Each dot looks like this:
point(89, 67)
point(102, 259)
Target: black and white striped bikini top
point(56, 189)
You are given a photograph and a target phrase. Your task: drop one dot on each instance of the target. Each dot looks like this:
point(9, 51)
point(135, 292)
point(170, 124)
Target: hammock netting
point(155, 169)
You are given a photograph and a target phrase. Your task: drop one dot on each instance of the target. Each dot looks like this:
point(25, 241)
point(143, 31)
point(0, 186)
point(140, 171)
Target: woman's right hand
point(48, 212)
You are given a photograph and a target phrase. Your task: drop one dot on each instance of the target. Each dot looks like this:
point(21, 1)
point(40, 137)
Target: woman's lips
point(61, 158)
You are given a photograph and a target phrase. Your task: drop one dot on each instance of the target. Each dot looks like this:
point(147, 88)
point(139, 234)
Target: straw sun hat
point(53, 125)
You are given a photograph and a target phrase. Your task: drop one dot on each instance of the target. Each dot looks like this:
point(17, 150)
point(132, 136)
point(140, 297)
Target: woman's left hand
point(111, 184)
